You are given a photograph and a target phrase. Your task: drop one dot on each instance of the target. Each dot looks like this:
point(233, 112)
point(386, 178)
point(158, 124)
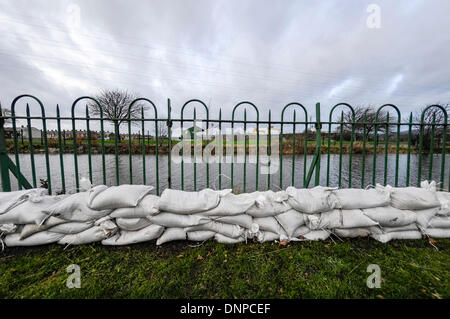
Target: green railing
point(335, 141)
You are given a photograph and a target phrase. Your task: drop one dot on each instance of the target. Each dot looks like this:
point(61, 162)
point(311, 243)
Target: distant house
point(24, 131)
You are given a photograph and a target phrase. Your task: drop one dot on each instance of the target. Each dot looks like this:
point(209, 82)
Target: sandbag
point(182, 202)
point(413, 198)
point(31, 229)
point(439, 222)
point(444, 200)
point(265, 236)
point(268, 204)
point(117, 196)
point(9, 200)
point(40, 238)
point(352, 198)
point(91, 235)
point(290, 221)
point(228, 230)
point(29, 212)
point(437, 232)
point(339, 218)
point(383, 230)
point(171, 234)
point(316, 235)
point(71, 227)
point(300, 231)
point(75, 208)
point(231, 204)
point(243, 220)
point(390, 216)
point(310, 201)
point(132, 237)
point(7, 229)
point(352, 232)
point(200, 235)
point(177, 220)
point(424, 216)
point(270, 224)
point(228, 240)
point(384, 238)
point(132, 224)
point(148, 206)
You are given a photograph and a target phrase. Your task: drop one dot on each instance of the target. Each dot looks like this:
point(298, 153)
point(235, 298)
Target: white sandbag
point(132, 224)
point(290, 221)
point(339, 218)
point(300, 231)
point(91, 235)
point(177, 220)
point(437, 232)
point(383, 230)
point(41, 238)
point(228, 240)
point(9, 200)
point(171, 234)
point(265, 236)
point(310, 201)
point(439, 222)
point(243, 220)
point(444, 200)
point(352, 198)
point(268, 204)
point(352, 232)
point(231, 204)
point(71, 227)
point(270, 224)
point(316, 235)
point(384, 238)
point(117, 196)
point(182, 202)
point(132, 237)
point(31, 229)
point(148, 206)
point(390, 216)
point(228, 230)
point(424, 216)
point(75, 208)
point(29, 212)
point(200, 235)
point(413, 198)
point(7, 229)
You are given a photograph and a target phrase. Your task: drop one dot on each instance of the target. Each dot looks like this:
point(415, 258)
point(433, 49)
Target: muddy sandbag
point(243, 220)
point(31, 229)
point(200, 235)
point(40, 238)
point(339, 218)
point(117, 196)
point(171, 234)
point(413, 198)
point(228, 230)
point(310, 201)
point(268, 204)
point(91, 235)
point(30, 212)
point(75, 208)
point(231, 205)
point(148, 206)
point(390, 216)
point(290, 221)
point(9, 200)
point(352, 198)
point(437, 232)
point(132, 224)
point(220, 238)
point(178, 220)
point(132, 237)
point(182, 202)
point(404, 235)
point(352, 232)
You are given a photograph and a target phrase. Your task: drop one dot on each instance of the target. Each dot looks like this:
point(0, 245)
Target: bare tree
point(370, 120)
point(439, 118)
point(115, 104)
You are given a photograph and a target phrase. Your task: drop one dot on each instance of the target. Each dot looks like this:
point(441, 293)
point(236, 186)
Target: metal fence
point(330, 140)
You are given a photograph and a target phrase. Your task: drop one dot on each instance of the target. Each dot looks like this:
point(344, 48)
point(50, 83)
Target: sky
point(224, 52)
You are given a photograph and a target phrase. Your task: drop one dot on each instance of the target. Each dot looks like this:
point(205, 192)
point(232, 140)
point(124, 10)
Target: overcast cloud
point(223, 52)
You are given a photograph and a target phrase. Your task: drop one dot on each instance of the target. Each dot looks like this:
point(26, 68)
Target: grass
point(409, 269)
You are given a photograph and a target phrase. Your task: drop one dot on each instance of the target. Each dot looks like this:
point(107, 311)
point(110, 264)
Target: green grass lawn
point(409, 269)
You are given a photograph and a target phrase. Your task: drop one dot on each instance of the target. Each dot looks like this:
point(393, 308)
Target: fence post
point(4, 163)
point(318, 143)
